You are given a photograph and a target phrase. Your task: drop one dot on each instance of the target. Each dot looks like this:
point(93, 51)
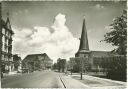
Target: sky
point(55, 27)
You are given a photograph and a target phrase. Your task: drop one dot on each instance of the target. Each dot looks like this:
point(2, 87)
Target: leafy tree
point(55, 66)
point(61, 64)
point(118, 34)
point(17, 61)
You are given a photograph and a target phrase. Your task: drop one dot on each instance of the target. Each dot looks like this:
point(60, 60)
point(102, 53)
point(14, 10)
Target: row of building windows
point(7, 58)
point(7, 49)
point(6, 41)
point(6, 33)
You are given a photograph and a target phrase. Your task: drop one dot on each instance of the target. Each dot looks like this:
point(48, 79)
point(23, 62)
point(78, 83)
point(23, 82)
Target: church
point(84, 50)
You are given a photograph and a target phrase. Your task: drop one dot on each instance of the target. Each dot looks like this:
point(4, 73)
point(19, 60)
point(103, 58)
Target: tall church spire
point(84, 38)
point(84, 47)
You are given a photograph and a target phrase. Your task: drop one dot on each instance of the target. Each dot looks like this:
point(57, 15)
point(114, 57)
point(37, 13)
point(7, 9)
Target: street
point(38, 79)
point(51, 79)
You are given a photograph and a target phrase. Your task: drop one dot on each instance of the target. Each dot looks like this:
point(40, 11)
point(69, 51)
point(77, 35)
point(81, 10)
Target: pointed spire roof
point(84, 38)
point(8, 22)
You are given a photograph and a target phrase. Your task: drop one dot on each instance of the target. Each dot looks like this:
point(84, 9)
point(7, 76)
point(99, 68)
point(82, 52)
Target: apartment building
point(7, 57)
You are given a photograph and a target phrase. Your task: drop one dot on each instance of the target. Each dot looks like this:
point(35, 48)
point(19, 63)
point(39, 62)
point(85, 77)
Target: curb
point(122, 86)
point(109, 80)
point(62, 82)
point(66, 83)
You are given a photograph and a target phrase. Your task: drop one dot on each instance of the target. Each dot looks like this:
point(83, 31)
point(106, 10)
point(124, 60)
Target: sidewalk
point(69, 82)
point(14, 73)
point(99, 83)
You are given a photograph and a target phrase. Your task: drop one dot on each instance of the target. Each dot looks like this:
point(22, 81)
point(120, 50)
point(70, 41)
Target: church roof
point(101, 53)
point(84, 38)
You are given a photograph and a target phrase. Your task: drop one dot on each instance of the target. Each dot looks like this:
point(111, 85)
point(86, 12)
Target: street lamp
point(81, 73)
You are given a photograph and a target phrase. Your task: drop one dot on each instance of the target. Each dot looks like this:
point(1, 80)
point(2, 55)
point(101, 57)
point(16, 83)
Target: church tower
point(84, 47)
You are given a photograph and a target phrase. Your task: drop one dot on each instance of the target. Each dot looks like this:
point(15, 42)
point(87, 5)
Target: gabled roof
point(8, 24)
point(35, 56)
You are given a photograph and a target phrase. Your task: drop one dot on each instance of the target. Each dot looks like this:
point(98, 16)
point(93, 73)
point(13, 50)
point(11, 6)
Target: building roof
point(7, 25)
point(36, 57)
point(84, 38)
point(101, 53)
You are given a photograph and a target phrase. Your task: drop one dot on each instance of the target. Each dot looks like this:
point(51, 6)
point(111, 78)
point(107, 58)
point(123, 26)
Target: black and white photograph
point(63, 44)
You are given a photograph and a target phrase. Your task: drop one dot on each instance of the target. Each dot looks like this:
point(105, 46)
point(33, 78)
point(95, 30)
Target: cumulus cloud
point(57, 44)
point(40, 36)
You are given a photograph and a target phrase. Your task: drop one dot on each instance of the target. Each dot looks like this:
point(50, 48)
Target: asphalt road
point(38, 79)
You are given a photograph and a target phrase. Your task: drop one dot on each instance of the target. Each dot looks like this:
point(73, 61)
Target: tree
point(58, 64)
point(17, 61)
point(54, 66)
point(61, 64)
point(118, 34)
